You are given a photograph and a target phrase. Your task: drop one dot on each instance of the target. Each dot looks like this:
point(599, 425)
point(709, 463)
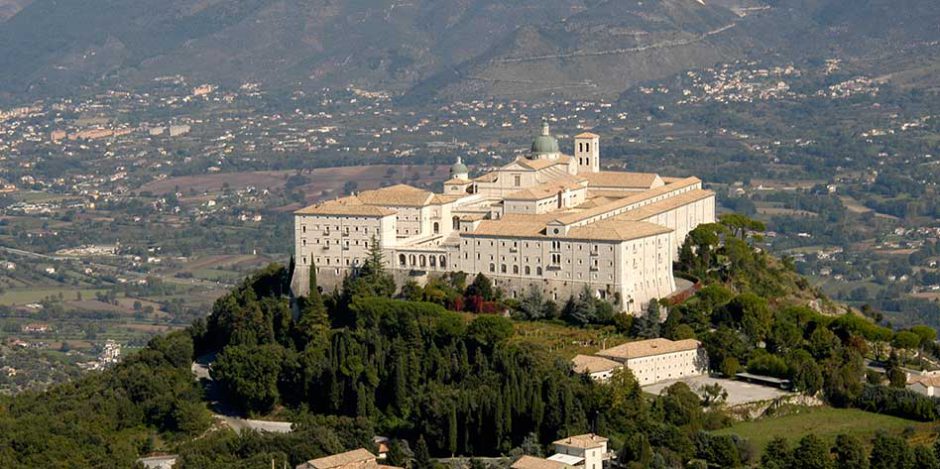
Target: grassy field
point(566, 340)
point(827, 423)
point(34, 295)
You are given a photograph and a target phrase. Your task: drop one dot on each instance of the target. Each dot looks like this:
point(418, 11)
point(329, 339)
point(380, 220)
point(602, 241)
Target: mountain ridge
point(439, 50)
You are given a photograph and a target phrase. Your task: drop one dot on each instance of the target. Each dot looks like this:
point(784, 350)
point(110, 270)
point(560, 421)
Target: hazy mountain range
point(448, 48)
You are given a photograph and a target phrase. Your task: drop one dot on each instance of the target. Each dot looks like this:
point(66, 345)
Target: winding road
point(225, 413)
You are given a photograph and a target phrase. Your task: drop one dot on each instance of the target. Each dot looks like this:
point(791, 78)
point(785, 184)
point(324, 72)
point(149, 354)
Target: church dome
point(459, 168)
point(545, 144)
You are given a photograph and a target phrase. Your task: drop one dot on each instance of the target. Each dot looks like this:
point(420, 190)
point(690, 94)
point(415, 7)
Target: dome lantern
point(545, 144)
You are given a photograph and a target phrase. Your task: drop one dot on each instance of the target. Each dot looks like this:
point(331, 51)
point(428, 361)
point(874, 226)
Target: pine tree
point(777, 454)
point(399, 453)
point(811, 453)
point(422, 455)
point(849, 452)
point(371, 279)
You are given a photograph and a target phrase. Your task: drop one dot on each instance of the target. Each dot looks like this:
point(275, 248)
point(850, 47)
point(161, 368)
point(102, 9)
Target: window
point(492, 267)
point(517, 180)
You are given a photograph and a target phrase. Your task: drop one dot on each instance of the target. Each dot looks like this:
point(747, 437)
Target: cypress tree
point(314, 322)
point(452, 430)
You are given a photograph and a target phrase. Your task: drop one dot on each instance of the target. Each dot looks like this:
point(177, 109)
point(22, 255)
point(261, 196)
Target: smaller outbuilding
point(598, 368)
point(926, 385)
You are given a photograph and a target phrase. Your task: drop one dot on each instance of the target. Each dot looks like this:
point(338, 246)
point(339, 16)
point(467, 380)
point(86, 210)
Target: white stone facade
point(548, 221)
point(655, 360)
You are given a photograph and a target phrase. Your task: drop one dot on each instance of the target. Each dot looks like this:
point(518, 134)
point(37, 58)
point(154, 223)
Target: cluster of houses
point(588, 451)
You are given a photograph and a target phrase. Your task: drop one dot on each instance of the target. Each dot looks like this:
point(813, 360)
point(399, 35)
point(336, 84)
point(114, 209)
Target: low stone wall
point(755, 410)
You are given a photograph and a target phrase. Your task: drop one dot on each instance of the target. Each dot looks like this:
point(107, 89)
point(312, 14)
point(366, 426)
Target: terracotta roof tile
point(928, 381)
point(592, 364)
point(397, 195)
point(588, 440)
point(626, 201)
point(546, 190)
point(616, 230)
point(351, 205)
point(655, 208)
point(648, 348)
point(342, 459)
point(532, 462)
point(622, 179)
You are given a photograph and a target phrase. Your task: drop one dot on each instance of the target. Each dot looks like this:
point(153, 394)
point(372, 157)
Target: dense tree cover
point(107, 419)
point(445, 382)
point(412, 368)
point(847, 452)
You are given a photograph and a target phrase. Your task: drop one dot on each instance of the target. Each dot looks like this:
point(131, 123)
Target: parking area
point(739, 392)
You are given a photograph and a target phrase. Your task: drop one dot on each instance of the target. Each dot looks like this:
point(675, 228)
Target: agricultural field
point(827, 422)
point(316, 184)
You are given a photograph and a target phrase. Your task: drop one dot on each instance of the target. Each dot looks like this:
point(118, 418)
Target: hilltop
point(357, 362)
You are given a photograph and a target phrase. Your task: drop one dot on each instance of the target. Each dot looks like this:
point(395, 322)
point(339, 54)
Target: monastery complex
point(547, 220)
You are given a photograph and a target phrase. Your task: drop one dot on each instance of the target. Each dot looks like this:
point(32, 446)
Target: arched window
point(437, 227)
point(538, 271)
point(492, 267)
point(423, 260)
point(528, 270)
point(432, 261)
point(515, 269)
point(502, 268)
point(456, 222)
point(443, 262)
point(414, 260)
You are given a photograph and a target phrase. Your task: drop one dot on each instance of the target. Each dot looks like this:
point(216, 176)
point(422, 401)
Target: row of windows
point(334, 261)
point(421, 260)
point(326, 228)
point(346, 242)
point(527, 270)
point(555, 245)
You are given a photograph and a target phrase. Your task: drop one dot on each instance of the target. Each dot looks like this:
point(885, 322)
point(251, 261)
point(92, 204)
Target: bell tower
point(588, 152)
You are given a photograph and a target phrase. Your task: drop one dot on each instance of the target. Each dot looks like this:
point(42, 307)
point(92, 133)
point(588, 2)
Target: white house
point(926, 385)
point(588, 451)
point(655, 360)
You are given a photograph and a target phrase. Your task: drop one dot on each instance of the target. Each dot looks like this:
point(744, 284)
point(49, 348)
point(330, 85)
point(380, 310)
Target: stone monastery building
point(549, 220)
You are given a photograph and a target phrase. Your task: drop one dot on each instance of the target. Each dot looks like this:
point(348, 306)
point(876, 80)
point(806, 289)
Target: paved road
point(225, 413)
